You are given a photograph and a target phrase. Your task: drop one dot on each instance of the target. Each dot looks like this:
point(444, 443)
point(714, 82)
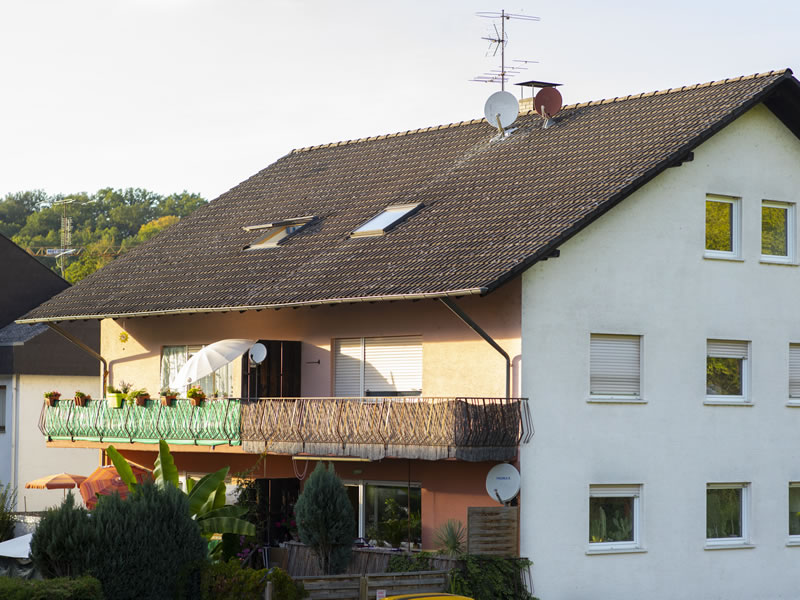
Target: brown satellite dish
point(547, 102)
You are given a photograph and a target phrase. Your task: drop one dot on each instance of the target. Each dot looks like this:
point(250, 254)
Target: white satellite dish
point(501, 109)
point(257, 353)
point(502, 482)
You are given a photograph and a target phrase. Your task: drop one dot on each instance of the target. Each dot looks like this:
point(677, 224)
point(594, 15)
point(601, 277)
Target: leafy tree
point(61, 543)
point(325, 520)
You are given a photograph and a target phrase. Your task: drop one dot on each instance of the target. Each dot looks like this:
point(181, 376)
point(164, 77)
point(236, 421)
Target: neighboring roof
point(490, 209)
point(15, 333)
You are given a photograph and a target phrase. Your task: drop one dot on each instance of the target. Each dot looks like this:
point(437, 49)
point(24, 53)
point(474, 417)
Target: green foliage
point(148, 544)
point(229, 581)
point(8, 501)
point(724, 376)
point(325, 519)
point(164, 471)
point(61, 543)
point(403, 563)
point(450, 537)
point(395, 525)
point(490, 578)
point(63, 588)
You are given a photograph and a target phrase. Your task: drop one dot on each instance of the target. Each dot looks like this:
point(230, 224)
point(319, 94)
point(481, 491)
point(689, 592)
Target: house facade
point(622, 279)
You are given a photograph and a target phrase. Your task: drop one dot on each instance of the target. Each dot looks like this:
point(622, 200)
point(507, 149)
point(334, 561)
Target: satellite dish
point(547, 102)
point(257, 353)
point(501, 109)
point(502, 482)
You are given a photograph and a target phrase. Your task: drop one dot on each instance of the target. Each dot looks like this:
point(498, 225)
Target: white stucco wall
point(640, 270)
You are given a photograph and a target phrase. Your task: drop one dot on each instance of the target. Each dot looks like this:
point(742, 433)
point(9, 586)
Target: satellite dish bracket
point(500, 126)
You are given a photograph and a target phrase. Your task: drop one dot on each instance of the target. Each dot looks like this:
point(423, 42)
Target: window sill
point(723, 402)
point(730, 546)
point(792, 543)
point(795, 403)
point(615, 400)
point(594, 551)
point(779, 262)
point(731, 258)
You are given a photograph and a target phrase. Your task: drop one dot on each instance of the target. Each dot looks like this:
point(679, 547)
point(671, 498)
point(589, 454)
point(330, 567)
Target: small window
point(219, 383)
point(777, 232)
point(794, 373)
point(726, 514)
point(794, 512)
point(722, 226)
point(378, 367)
point(615, 364)
point(2, 409)
point(614, 518)
point(390, 217)
point(726, 370)
point(273, 234)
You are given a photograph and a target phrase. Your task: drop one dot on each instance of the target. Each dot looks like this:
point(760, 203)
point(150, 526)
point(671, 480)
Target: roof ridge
point(531, 111)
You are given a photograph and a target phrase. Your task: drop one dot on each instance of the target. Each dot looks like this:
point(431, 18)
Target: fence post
point(362, 588)
point(268, 591)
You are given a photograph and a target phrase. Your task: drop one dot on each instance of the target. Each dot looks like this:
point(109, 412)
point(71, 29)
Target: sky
point(198, 95)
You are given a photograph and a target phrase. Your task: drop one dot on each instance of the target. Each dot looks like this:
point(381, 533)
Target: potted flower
point(81, 398)
point(52, 397)
point(196, 396)
point(138, 397)
point(168, 396)
point(115, 397)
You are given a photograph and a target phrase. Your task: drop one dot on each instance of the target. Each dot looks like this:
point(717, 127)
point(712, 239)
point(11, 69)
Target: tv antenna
point(497, 42)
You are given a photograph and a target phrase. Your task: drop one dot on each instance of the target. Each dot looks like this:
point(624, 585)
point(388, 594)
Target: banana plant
point(206, 496)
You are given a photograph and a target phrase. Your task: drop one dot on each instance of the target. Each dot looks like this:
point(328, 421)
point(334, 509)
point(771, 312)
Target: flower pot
point(115, 400)
point(51, 401)
point(80, 400)
point(197, 401)
point(142, 400)
point(167, 400)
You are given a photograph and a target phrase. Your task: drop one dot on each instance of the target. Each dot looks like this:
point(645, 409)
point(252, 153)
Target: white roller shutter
point(392, 364)
point(615, 362)
point(794, 370)
point(727, 349)
point(348, 361)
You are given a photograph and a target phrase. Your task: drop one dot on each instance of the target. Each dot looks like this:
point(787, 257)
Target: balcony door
point(278, 376)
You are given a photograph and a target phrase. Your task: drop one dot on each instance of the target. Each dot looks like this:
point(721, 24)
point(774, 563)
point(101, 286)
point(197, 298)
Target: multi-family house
point(631, 269)
point(34, 360)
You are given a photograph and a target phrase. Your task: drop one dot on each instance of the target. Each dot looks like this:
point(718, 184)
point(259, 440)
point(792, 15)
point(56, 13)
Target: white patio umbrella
point(18, 547)
point(209, 359)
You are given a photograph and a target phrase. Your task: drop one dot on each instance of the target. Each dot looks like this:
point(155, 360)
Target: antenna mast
point(499, 42)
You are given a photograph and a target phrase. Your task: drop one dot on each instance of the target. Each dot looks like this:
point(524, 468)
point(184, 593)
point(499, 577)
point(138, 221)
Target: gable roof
point(490, 209)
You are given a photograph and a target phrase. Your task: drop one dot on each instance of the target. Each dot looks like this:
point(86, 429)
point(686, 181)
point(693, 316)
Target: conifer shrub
point(148, 546)
point(325, 520)
point(61, 543)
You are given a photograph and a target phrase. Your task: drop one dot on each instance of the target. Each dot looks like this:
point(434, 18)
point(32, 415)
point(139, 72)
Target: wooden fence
point(365, 587)
point(492, 530)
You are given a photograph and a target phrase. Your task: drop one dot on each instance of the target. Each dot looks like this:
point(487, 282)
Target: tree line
point(104, 224)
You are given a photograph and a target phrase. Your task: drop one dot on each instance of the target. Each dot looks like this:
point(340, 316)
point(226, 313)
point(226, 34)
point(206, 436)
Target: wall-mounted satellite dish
point(257, 353)
point(502, 482)
point(547, 103)
point(501, 110)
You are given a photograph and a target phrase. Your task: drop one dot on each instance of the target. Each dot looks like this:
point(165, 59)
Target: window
point(390, 217)
point(777, 231)
point(722, 226)
point(276, 233)
point(2, 409)
point(794, 513)
point(726, 370)
point(726, 514)
point(381, 510)
point(174, 357)
point(384, 366)
point(615, 364)
point(794, 373)
point(614, 518)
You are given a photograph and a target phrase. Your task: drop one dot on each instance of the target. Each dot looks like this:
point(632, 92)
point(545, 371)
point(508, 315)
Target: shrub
point(148, 545)
point(490, 578)
point(403, 563)
point(450, 537)
point(8, 500)
point(61, 543)
point(325, 520)
point(229, 581)
point(63, 588)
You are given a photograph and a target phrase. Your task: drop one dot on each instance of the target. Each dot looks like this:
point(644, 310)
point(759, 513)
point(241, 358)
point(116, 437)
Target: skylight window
point(275, 233)
point(386, 219)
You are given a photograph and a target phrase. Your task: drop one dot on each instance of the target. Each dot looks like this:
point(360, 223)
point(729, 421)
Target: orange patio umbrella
point(61, 481)
point(106, 480)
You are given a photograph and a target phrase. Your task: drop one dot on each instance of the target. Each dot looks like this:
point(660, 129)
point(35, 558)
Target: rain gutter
point(85, 348)
point(186, 311)
point(477, 329)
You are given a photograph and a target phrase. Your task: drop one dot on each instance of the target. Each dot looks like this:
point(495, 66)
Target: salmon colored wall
point(456, 362)
point(448, 487)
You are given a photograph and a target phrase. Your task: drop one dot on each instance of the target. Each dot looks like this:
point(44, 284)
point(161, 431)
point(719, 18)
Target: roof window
point(275, 233)
point(388, 218)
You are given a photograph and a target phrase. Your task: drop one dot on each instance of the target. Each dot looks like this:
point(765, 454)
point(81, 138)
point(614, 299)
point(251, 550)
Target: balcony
point(470, 429)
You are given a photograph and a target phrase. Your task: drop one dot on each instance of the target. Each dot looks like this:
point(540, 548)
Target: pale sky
point(201, 94)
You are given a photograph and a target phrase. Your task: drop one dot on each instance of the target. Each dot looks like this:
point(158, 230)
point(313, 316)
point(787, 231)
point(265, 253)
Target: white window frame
point(736, 228)
point(742, 541)
point(277, 232)
point(794, 375)
point(792, 540)
point(617, 491)
point(358, 349)
point(379, 224)
point(744, 398)
point(189, 350)
point(791, 236)
point(597, 346)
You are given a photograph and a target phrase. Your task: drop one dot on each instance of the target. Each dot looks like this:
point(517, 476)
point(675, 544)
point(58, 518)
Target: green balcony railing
point(215, 422)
